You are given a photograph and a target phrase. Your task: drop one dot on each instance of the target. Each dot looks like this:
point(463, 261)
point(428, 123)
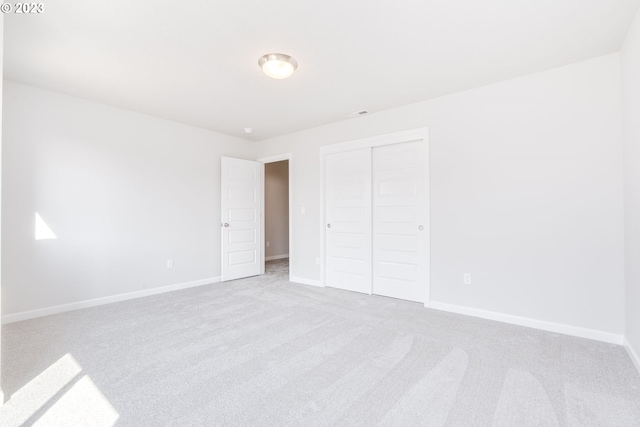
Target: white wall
point(631, 128)
point(526, 193)
point(123, 192)
point(1, 291)
point(276, 208)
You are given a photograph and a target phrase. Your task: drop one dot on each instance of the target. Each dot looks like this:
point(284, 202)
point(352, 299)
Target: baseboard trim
point(560, 328)
point(304, 281)
point(274, 257)
point(632, 354)
point(40, 312)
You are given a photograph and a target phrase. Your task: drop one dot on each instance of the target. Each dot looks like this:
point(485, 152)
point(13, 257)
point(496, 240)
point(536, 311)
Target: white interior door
point(348, 220)
point(400, 228)
point(242, 187)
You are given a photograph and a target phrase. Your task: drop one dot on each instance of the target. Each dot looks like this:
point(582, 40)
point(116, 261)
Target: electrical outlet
point(169, 263)
point(467, 278)
point(317, 260)
point(267, 244)
point(303, 211)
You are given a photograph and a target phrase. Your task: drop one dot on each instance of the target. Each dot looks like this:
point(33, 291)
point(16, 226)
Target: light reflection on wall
point(43, 232)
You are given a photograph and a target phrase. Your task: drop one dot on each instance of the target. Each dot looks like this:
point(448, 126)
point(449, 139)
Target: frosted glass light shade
point(277, 65)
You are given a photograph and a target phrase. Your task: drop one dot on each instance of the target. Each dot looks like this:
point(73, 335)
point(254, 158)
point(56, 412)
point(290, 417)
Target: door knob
point(420, 227)
point(226, 224)
point(328, 225)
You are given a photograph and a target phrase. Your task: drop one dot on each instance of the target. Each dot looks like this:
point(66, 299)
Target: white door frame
point(376, 141)
point(273, 159)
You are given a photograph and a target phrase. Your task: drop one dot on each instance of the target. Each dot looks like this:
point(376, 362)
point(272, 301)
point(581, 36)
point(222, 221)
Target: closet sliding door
point(399, 221)
point(348, 220)
point(376, 216)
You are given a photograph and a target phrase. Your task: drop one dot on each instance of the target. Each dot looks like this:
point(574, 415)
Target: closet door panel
point(399, 221)
point(348, 220)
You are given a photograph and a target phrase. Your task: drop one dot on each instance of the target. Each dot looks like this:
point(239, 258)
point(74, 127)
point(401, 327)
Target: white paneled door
point(242, 186)
point(348, 220)
point(400, 229)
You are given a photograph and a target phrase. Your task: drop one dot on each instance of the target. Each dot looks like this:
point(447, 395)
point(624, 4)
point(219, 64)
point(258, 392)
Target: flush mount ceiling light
point(277, 65)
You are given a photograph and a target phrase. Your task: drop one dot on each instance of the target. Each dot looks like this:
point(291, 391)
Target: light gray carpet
point(266, 352)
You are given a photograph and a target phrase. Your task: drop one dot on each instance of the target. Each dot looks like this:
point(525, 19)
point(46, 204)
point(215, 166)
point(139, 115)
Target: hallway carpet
point(266, 352)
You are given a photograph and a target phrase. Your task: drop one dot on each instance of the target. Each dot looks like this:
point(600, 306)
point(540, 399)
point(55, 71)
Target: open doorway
point(276, 217)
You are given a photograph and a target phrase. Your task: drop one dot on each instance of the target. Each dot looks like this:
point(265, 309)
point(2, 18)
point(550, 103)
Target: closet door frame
point(420, 134)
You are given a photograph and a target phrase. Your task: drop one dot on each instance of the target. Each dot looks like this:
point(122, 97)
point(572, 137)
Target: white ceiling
point(196, 61)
